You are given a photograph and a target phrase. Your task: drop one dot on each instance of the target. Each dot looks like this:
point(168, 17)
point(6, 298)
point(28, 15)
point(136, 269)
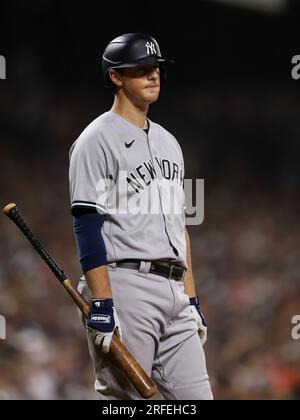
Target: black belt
point(165, 269)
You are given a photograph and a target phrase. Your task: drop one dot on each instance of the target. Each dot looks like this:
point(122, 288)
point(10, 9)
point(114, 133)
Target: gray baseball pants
point(160, 332)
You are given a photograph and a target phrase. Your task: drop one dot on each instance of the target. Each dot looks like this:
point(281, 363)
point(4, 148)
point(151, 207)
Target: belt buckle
point(173, 276)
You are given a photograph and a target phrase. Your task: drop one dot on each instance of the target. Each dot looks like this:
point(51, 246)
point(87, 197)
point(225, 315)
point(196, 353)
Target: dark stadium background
point(231, 102)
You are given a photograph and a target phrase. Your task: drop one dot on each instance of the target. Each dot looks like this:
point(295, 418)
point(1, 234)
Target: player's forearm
point(98, 283)
point(92, 252)
point(189, 284)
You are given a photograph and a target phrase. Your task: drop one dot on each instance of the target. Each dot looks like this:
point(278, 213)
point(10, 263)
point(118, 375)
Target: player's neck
point(134, 114)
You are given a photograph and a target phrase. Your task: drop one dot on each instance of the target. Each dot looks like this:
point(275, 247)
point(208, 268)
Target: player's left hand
point(199, 318)
point(102, 322)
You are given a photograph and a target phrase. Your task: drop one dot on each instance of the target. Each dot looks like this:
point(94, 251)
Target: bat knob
point(8, 208)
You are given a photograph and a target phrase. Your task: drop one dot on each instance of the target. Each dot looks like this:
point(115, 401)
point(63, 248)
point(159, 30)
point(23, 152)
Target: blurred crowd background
point(232, 104)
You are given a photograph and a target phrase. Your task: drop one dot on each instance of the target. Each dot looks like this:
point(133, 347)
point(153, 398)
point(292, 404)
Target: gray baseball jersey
point(114, 166)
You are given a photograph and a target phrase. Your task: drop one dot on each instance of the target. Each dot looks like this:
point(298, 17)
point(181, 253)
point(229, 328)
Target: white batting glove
point(102, 322)
point(199, 318)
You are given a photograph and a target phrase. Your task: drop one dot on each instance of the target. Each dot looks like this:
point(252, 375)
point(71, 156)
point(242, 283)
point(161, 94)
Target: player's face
point(142, 83)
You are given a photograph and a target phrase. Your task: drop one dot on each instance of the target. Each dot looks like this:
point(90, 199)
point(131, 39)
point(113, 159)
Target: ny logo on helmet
point(150, 48)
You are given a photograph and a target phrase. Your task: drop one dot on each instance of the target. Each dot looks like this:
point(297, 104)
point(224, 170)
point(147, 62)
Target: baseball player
point(134, 249)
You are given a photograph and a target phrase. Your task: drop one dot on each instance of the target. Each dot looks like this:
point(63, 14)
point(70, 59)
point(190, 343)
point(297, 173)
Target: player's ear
point(115, 77)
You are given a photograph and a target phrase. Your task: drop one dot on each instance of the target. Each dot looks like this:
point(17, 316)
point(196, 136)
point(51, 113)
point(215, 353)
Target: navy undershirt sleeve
point(91, 249)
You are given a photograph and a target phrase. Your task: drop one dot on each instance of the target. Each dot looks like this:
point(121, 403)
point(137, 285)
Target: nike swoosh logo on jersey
point(129, 144)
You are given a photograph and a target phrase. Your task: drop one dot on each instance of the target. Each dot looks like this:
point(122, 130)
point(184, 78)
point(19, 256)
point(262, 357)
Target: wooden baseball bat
point(134, 372)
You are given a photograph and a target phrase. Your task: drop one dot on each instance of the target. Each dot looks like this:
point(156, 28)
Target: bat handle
point(11, 211)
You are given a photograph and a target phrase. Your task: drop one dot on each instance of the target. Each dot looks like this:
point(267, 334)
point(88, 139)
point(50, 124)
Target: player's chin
point(151, 95)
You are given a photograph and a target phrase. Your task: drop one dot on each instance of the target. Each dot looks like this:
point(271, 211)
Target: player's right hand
point(199, 318)
point(102, 321)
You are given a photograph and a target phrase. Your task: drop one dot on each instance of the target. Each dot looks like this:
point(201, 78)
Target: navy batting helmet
point(132, 50)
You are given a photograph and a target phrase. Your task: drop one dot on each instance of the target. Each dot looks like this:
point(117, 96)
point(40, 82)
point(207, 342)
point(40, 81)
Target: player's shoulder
point(163, 131)
point(93, 134)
